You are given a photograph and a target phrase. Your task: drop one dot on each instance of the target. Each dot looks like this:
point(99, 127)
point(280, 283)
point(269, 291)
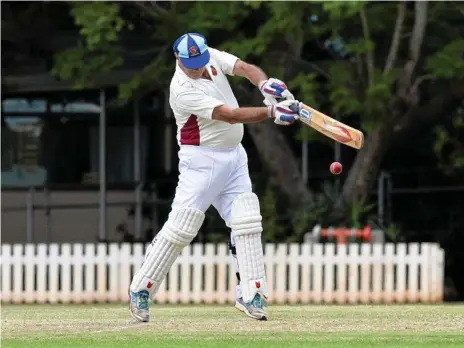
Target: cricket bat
point(329, 127)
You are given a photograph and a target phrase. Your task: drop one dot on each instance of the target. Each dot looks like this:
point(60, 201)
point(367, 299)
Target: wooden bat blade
point(331, 128)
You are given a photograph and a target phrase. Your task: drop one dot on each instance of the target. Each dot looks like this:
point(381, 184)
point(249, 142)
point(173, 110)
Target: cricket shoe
point(139, 305)
point(254, 309)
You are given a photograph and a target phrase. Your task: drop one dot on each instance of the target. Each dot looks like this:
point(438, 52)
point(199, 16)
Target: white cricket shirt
point(193, 101)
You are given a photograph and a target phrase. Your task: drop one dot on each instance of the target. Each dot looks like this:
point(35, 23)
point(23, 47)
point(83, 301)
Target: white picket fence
point(297, 273)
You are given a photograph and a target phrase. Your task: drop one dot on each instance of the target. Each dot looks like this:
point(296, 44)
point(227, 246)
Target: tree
point(395, 92)
point(392, 67)
point(102, 25)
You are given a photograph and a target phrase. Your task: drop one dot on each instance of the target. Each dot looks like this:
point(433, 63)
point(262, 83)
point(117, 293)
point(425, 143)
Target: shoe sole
point(243, 309)
point(139, 319)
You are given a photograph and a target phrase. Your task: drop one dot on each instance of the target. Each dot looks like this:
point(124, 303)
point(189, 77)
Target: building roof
point(47, 83)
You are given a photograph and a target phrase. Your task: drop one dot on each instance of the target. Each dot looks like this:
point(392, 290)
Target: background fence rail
point(205, 273)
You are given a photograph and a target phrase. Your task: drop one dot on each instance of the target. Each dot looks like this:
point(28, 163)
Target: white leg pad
point(179, 230)
point(246, 230)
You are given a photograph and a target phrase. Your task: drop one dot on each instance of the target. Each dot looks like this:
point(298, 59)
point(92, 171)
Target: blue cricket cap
point(192, 50)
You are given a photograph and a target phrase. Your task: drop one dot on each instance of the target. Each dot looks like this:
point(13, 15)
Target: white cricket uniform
point(213, 164)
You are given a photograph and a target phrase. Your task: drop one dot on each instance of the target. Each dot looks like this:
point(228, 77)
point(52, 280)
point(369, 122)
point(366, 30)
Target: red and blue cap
point(192, 50)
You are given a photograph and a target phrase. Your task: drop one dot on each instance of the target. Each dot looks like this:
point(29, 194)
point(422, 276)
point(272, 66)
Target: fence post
point(381, 197)
point(48, 212)
point(102, 167)
point(30, 215)
point(137, 173)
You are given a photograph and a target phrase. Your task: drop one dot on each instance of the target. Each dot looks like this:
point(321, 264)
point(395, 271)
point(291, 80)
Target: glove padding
point(275, 90)
point(281, 112)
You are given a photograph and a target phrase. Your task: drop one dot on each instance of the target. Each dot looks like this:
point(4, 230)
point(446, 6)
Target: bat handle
point(294, 107)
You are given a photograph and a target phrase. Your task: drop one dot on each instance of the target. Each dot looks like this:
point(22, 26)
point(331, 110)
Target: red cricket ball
point(336, 168)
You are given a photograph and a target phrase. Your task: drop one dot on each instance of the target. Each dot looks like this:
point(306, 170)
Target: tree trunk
point(364, 171)
point(365, 168)
point(275, 151)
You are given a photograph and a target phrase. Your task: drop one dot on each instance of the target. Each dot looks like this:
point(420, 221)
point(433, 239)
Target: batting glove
point(281, 112)
point(275, 90)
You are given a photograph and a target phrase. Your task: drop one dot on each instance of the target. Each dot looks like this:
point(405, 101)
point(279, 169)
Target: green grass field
point(110, 326)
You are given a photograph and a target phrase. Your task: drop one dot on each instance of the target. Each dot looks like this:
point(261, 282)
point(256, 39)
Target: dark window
point(55, 140)
point(21, 148)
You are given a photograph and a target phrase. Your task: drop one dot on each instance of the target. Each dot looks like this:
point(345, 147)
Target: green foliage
point(205, 17)
point(448, 145)
point(67, 63)
point(281, 22)
point(394, 233)
point(278, 29)
point(273, 229)
point(254, 4)
point(342, 86)
point(279, 37)
point(310, 135)
point(81, 66)
point(377, 96)
point(339, 12)
point(307, 86)
point(342, 10)
point(448, 62)
point(441, 139)
point(99, 24)
point(361, 46)
point(306, 217)
point(245, 47)
point(357, 210)
point(153, 75)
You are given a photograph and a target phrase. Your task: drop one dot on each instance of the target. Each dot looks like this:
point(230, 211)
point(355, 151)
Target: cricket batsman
point(213, 170)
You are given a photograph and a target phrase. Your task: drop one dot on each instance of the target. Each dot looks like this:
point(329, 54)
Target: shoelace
point(257, 301)
point(142, 300)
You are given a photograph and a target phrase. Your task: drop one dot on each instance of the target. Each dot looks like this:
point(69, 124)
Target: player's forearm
point(249, 115)
point(254, 74)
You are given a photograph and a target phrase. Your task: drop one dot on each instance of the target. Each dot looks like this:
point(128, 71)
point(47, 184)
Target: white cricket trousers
point(210, 176)
point(215, 177)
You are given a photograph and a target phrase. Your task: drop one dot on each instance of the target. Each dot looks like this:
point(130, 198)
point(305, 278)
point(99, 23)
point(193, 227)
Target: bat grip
point(294, 107)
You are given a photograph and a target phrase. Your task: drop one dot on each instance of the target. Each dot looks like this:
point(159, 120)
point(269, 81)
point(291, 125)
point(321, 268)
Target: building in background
point(52, 184)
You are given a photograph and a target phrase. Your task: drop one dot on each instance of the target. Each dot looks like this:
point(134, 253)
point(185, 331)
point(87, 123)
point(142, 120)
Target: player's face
point(192, 73)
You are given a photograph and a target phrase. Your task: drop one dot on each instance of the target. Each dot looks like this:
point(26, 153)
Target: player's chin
point(196, 75)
